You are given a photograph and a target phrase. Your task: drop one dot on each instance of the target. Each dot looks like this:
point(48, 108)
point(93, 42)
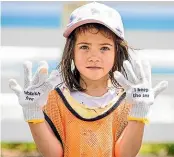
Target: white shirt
point(95, 102)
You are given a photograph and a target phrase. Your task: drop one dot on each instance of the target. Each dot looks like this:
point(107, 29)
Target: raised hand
point(138, 88)
point(35, 92)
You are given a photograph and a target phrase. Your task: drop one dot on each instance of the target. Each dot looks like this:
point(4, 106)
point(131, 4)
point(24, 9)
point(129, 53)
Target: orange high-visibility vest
point(85, 132)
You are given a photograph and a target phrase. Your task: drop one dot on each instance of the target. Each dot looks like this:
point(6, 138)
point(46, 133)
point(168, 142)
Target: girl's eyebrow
point(106, 44)
point(84, 43)
point(91, 44)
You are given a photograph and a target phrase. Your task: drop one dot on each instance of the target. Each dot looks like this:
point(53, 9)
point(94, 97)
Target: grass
point(23, 147)
point(156, 149)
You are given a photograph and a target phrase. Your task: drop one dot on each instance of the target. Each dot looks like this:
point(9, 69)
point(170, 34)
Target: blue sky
point(49, 15)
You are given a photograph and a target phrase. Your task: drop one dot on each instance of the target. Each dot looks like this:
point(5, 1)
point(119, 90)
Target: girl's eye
point(84, 47)
point(105, 48)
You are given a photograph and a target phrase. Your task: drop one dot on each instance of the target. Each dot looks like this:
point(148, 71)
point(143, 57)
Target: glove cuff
point(139, 112)
point(143, 120)
point(34, 114)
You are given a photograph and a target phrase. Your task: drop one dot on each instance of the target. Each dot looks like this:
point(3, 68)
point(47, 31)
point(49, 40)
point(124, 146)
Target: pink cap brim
point(69, 30)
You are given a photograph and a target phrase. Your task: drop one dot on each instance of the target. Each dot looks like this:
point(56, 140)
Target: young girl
point(100, 106)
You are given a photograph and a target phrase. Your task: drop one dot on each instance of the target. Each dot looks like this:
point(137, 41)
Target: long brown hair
point(70, 77)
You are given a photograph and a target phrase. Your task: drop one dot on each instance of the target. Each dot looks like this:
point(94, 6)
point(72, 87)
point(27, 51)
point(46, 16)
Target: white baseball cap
point(95, 13)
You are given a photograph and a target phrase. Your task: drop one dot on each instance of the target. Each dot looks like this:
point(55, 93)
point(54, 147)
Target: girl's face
point(94, 55)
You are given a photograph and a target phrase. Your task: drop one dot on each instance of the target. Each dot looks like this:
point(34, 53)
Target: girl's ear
point(72, 65)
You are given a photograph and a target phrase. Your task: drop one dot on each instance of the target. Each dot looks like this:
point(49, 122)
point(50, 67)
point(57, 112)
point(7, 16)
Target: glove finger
point(147, 70)
point(139, 70)
point(27, 73)
point(41, 74)
point(15, 86)
point(53, 80)
point(160, 87)
point(121, 80)
point(129, 71)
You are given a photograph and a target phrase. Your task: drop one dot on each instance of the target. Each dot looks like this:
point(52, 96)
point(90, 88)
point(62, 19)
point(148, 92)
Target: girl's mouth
point(94, 68)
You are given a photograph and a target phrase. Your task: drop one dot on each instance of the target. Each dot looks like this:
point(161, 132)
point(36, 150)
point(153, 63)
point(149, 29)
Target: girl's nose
point(93, 59)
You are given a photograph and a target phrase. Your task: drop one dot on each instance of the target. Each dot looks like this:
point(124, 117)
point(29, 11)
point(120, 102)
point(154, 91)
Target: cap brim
point(69, 30)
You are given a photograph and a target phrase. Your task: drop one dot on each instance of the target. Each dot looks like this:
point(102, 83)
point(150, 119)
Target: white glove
point(35, 93)
point(139, 91)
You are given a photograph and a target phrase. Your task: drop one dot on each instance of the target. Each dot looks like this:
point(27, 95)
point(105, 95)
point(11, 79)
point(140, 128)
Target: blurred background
point(34, 31)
